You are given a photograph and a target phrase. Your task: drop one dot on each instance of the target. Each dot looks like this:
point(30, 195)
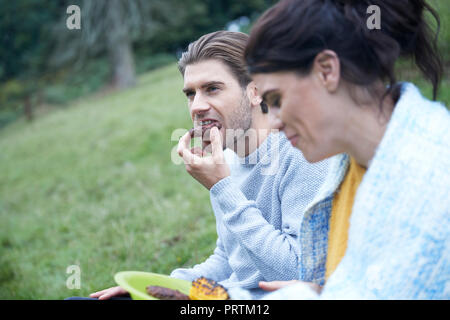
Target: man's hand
point(275, 285)
point(109, 293)
point(206, 169)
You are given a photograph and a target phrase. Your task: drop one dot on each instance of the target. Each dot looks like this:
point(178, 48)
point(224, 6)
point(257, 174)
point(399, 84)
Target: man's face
point(215, 98)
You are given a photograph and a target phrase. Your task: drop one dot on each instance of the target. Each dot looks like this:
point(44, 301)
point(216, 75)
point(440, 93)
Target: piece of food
point(200, 131)
point(206, 130)
point(206, 289)
point(166, 293)
point(192, 132)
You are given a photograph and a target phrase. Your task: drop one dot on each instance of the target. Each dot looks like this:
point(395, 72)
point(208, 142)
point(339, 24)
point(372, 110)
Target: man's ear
point(326, 67)
point(252, 94)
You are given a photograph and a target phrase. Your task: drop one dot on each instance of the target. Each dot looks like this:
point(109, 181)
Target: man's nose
point(199, 105)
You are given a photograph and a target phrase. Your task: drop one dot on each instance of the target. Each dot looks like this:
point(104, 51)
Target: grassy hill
point(94, 185)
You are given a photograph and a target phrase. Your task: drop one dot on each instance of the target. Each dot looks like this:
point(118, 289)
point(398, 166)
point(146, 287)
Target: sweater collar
point(272, 141)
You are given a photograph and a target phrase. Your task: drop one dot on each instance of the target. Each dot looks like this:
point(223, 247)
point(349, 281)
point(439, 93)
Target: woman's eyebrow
point(267, 93)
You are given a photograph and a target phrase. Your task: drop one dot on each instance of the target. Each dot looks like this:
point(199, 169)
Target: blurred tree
point(203, 16)
point(110, 22)
point(24, 50)
point(116, 26)
point(110, 26)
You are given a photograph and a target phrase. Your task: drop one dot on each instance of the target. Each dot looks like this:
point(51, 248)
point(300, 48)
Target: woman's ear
point(326, 67)
point(252, 94)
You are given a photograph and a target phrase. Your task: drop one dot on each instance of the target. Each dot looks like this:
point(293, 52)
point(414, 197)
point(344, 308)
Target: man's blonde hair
point(225, 46)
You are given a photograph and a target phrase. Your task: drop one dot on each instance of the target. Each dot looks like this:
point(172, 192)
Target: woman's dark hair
point(288, 36)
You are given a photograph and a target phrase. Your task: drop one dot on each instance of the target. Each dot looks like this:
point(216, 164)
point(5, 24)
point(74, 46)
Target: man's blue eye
point(212, 89)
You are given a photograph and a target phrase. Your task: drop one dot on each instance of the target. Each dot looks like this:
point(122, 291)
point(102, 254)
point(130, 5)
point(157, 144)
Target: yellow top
point(340, 216)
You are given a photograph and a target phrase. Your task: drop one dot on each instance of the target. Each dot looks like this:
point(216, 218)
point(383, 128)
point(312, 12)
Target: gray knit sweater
point(259, 210)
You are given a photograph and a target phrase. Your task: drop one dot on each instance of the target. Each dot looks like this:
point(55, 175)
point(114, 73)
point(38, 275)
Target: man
point(259, 186)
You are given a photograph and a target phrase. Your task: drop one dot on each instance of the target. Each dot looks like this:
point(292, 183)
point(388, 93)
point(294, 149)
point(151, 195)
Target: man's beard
point(238, 124)
point(240, 121)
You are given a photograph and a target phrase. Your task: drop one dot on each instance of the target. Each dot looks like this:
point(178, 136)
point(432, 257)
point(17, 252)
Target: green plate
point(135, 283)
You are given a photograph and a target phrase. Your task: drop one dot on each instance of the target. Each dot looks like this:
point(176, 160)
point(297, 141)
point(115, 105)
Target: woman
point(379, 227)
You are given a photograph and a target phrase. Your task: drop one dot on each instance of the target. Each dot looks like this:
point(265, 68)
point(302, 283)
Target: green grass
point(93, 184)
